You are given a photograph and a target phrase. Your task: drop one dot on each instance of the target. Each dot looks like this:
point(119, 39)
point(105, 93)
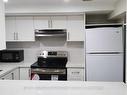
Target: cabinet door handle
point(68, 36)
point(29, 73)
point(14, 36)
point(51, 24)
point(48, 23)
point(75, 72)
point(12, 76)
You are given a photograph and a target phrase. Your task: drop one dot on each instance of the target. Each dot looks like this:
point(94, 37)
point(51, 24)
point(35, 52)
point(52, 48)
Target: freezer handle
point(104, 53)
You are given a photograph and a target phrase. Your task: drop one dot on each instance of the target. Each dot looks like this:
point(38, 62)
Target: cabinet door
point(41, 22)
point(59, 22)
point(8, 76)
point(75, 28)
point(15, 74)
point(10, 28)
point(2, 26)
point(24, 73)
point(75, 74)
point(25, 29)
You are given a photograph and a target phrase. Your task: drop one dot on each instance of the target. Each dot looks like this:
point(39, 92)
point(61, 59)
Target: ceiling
point(48, 5)
point(21, 3)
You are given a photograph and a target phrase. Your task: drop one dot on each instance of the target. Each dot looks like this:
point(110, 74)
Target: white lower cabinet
point(75, 74)
point(16, 74)
point(12, 75)
point(8, 76)
point(25, 73)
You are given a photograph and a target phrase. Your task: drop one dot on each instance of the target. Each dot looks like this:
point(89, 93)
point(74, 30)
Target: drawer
point(75, 74)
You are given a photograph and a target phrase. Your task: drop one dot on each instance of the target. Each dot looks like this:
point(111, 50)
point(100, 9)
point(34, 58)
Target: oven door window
point(48, 77)
point(48, 74)
point(55, 77)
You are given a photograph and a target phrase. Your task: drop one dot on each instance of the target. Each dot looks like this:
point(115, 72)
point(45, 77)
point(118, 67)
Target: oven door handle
point(48, 71)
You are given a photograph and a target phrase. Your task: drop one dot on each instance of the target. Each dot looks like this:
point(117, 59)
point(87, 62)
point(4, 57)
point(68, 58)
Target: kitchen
point(43, 31)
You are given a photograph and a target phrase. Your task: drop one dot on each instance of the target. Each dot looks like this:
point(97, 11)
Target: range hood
point(50, 32)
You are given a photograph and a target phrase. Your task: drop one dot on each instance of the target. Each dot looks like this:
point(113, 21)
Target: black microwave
point(11, 55)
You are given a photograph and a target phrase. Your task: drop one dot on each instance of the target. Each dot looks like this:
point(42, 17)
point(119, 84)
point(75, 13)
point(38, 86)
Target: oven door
point(48, 74)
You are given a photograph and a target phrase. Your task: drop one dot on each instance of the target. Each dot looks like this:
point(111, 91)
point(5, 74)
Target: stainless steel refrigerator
point(104, 54)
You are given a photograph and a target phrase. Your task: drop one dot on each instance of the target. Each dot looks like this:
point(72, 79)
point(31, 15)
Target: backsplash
point(32, 49)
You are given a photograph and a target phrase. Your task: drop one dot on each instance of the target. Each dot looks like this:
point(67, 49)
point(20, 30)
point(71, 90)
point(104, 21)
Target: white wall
point(120, 8)
point(87, 7)
point(32, 49)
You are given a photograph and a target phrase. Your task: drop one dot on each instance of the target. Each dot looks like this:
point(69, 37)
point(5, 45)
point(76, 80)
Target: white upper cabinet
point(22, 28)
point(19, 29)
point(75, 28)
point(59, 22)
point(47, 22)
point(25, 29)
point(10, 28)
point(2, 26)
point(41, 22)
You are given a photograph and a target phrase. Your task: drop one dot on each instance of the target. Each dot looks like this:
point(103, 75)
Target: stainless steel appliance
point(104, 54)
point(50, 32)
point(51, 65)
point(11, 55)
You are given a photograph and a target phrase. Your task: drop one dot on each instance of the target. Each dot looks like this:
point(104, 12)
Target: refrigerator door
point(104, 67)
point(104, 40)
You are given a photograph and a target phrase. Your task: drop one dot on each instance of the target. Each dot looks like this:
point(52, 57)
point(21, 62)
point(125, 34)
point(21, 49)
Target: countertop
point(75, 65)
point(7, 67)
point(61, 88)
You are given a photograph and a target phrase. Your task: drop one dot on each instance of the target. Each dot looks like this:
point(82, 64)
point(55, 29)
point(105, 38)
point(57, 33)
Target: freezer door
point(104, 67)
point(104, 39)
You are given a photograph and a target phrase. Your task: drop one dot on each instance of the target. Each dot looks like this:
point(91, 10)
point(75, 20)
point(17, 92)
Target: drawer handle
point(75, 72)
point(68, 36)
point(29, 74)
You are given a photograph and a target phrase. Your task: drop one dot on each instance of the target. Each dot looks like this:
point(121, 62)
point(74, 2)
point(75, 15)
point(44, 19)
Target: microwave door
point(7, 56)
point(11, 56)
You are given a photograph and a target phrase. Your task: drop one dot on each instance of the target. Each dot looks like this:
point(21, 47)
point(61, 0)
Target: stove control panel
point(55, 53)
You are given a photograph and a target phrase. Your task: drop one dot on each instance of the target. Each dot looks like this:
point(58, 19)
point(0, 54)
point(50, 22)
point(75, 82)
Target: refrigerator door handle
point(104, 53)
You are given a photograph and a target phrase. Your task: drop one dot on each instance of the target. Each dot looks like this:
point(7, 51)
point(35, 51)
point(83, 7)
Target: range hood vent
point(50, 32)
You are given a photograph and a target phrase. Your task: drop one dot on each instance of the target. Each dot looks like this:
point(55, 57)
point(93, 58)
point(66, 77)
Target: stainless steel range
point(51, 65)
